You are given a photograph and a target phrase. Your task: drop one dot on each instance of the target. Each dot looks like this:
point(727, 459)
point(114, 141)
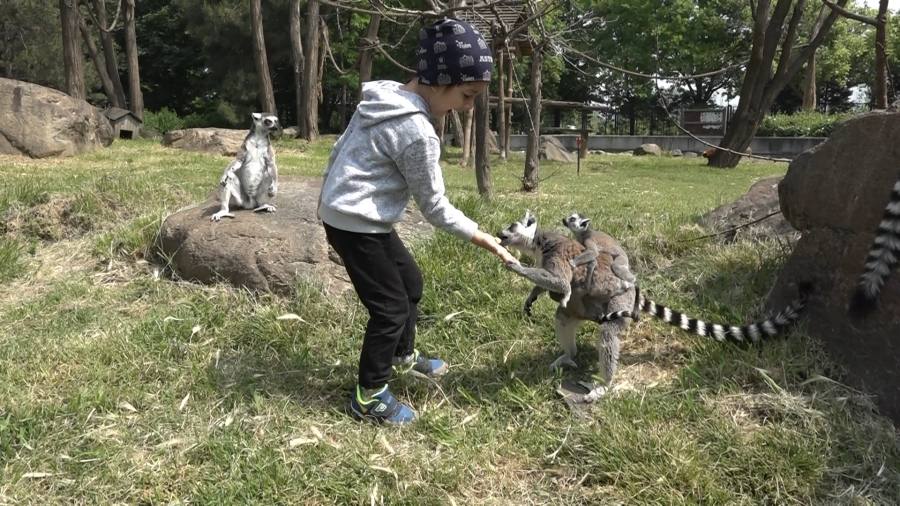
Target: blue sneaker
point(418, 365)
point(382, 408)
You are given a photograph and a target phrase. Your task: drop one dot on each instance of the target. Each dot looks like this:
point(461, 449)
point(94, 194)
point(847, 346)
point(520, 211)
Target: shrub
point(163, 120)
point(801, 124)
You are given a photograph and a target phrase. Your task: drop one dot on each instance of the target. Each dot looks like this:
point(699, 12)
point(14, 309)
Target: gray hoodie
point(388, 152)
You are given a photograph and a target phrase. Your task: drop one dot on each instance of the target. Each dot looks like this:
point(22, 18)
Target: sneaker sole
point(374, 420)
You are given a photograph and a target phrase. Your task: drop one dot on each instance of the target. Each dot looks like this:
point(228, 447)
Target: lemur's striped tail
point(882, 257)
point(740, 334)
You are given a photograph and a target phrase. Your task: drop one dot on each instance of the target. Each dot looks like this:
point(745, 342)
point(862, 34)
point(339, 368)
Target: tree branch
point(852, 15)
point(647, 76)
point(97, 23)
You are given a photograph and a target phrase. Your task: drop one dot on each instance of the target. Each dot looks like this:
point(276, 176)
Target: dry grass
point(122, 386)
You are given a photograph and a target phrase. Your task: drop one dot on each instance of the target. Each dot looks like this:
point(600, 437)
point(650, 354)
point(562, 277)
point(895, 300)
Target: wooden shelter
point(125, 123)
point(495, 21)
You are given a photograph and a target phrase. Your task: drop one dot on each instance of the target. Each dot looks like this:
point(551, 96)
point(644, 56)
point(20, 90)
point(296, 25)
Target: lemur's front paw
point(513, 266)
point(272, 191)
point(573, 263)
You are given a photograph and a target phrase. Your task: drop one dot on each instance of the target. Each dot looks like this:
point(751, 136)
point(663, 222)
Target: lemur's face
point(520, 233)
point(577, 223)
point(265, 122)
point(459, 98)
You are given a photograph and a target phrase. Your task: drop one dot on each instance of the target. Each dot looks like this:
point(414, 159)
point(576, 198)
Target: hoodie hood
point(384, 100)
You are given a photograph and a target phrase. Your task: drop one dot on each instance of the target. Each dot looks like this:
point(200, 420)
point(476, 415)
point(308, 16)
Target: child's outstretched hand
point(492, 244)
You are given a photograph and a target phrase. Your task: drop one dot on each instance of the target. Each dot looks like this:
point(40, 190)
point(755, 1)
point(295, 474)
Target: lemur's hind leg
point(545, 279)
point(621, 269)
point(229, 194)
point(589, 257)
point(608, 347)
point(264, 195)
point(566, 329)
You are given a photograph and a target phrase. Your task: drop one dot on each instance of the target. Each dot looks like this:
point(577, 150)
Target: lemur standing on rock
point(251, 180)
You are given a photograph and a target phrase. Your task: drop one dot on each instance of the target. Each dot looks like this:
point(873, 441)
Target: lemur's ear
point(529, 219)
point(257, 116)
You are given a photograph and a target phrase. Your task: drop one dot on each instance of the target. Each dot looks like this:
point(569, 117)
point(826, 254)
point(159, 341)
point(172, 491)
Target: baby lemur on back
point(595, 242)
point(251, 180)
point(553, 254)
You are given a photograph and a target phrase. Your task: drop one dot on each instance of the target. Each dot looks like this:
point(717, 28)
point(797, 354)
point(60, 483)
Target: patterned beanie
point(452, 51)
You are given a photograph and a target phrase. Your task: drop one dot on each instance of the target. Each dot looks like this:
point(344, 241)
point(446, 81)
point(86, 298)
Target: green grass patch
point(122, 386)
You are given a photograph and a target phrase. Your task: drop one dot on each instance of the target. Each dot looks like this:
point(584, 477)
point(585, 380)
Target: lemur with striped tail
point(614, 314)
point(883, 256)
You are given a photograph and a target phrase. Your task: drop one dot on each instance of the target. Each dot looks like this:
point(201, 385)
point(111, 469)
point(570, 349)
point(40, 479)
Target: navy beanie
point(452, 51)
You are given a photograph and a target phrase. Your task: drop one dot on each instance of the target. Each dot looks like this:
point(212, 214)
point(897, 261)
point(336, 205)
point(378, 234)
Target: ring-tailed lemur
point(594, 242)
point(251, 180)
point(752, 332)
point(552, 253)
point(882, 258)
point(615, 314)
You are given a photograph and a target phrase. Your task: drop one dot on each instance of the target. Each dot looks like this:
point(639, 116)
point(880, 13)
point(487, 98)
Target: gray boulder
point(41, 122)
point(835, 194)
point(266, 252)
point(216, 141)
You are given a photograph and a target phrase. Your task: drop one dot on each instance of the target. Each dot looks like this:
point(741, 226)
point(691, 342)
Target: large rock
point(648, 150)
point(217, 141)
point(267, 252)
point(835, 193)
point(42, 122)
point(761, 200)
point(552, 149)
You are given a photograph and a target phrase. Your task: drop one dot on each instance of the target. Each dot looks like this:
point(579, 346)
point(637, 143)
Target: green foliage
point(801, 124)
point(164, 120)
point(13, 257)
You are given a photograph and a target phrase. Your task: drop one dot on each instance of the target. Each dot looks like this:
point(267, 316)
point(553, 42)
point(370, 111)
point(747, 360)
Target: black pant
point(389, 283)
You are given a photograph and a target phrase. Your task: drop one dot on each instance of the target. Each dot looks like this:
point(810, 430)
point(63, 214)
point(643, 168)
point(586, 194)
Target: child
point(388, 152)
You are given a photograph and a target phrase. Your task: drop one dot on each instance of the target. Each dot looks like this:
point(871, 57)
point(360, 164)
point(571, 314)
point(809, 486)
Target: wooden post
point(582, 152)
point(501, 106)
point(508, 112)
point(578, 157)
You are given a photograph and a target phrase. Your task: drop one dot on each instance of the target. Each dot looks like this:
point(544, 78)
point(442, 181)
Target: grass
point(122, 386)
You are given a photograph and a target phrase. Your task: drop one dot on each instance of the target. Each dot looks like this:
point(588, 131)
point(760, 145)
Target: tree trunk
point(72, 56)
point(501, 106)
point(309, 116)
point(881, 68)
point(440, 126)
point(136, 104)
point(109, 52)
point(482, 155)
point(467, 139)
point(261, 62)
point(508, 113)
point(761, 82)
point(809, 79)
point(457, 129)
point(105, 81)
point(297, 57)
point(532, 164)
point(343, 109)
point(323, 35)
point(809, 86)
point(367, 56)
